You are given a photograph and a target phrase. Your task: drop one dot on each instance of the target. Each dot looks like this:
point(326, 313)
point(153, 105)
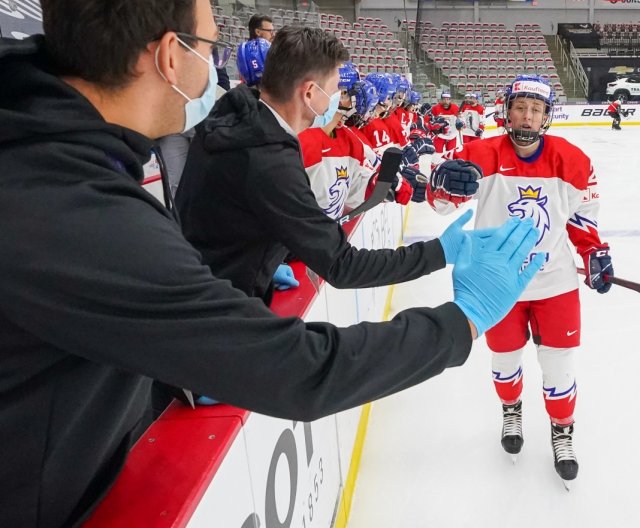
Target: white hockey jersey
point(557, 187)
point(473, 118)
point(339, 168)
point(451, 115)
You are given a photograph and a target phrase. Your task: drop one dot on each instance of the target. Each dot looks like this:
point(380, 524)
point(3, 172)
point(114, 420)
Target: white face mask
point(196, 110)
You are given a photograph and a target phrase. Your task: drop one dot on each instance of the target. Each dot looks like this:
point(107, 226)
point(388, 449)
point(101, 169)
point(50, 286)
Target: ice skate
point(564, 457)
point(512, 439)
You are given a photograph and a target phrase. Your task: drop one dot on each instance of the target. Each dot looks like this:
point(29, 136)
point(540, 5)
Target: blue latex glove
point(205, 400)
point(284, 279)
point(452, 238)
point(487, 278)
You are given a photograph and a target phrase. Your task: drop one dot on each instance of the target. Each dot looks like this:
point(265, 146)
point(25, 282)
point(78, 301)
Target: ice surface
point(432, 456)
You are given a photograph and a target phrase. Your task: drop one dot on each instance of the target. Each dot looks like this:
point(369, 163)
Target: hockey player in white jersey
point(498, 111)
point(529, 174)
point(340, 162)
point(472, 115)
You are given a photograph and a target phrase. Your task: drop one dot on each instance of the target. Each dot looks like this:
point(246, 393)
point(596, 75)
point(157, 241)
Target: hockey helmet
point(349, 75)
point(364, 99)
point(382, 85)
point(533, 87)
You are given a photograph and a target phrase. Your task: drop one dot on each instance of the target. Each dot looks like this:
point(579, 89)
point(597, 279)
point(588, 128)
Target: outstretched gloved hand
point(453, 237)
point(284, 279)
point(488, 278)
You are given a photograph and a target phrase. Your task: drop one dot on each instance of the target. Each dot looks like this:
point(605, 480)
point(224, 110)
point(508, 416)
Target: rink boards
point(221, 466)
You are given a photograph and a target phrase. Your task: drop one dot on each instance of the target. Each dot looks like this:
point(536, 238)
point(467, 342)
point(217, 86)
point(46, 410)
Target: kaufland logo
point(532, 87)
point(623, 1)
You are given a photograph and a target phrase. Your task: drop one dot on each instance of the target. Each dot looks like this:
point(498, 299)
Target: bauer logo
point(598, 112)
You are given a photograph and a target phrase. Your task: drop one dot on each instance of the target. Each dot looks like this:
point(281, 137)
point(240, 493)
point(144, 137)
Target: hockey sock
point(506, 368)
point(558, 383)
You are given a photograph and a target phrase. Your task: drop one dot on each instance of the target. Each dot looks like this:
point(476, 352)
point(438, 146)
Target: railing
point(579, 70)
point(568, 65)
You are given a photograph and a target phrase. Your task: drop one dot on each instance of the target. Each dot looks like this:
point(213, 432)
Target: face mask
point(196, 110)
point(322, 120)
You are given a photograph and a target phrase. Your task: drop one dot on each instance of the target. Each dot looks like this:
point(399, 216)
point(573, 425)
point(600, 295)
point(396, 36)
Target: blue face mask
point(196, 110)
point(322, 120)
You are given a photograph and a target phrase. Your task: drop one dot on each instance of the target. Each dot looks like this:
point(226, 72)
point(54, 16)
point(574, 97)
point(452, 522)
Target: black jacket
point(100, 293)
point(245, 201)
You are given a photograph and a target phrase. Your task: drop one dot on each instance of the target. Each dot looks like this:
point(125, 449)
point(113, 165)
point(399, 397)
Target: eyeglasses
point(220, 50)
point(272, 30)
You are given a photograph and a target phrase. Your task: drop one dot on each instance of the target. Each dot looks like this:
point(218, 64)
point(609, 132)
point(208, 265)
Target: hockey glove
point(455, 180)
point(487, 277)
point(410, 156)
point(459, 124)
point(425, 108)
point(283, 279)
point(479, 132)
point(417, 133)
point(418, 182)
point(597, 263)
point(402, 190)
point(423, 146)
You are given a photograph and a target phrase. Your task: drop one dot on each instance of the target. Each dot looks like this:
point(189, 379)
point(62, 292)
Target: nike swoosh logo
point(324, 151)
point(571, 333)
point(506, 168)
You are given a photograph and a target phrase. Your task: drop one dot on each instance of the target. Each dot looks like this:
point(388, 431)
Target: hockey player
point(411, 106)
point(376, 131)
point(340, 164)
point(498, 113)
point(401, 97)
point(446, 139)
point(472, 115)
point(250, 60)
point(530, 174)
point(615, 110)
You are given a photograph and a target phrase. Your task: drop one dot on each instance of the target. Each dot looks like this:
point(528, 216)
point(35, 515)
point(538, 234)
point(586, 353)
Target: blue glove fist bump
point(488, 277)
point(284, 279)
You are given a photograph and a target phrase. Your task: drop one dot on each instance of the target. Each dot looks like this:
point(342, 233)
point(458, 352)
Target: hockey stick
point(616, 280)
point(389, 167)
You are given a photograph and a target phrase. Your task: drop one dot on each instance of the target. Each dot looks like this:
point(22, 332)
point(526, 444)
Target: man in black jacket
point(245, 200)
point(101, 294)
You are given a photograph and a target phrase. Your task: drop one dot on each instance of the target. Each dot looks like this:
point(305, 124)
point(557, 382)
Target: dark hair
point(298, 53)
point(100, 40)
point(255, 22)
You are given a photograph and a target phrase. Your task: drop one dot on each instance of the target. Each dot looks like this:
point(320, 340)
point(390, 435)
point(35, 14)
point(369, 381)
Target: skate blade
point(514, 459)
point(566, 484)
